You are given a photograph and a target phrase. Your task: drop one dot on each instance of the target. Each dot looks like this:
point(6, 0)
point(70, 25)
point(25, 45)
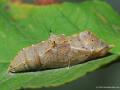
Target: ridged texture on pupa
point(59, 51)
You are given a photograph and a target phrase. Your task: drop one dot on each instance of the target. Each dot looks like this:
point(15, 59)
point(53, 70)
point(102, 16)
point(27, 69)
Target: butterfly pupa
point(59, 51)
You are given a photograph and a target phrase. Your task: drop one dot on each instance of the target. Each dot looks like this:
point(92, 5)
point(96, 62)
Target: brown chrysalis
point(59, 51)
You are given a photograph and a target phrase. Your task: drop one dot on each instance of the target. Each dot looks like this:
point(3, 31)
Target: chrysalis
point(59, 51)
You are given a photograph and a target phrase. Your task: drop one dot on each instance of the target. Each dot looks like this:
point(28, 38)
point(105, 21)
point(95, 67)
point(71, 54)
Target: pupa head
point(96, 46)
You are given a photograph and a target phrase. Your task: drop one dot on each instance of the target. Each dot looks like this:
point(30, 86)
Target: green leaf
point(23, 25)
point(49, 78)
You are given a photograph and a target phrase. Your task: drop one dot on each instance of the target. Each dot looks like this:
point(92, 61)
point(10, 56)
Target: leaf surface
point(22, 25)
